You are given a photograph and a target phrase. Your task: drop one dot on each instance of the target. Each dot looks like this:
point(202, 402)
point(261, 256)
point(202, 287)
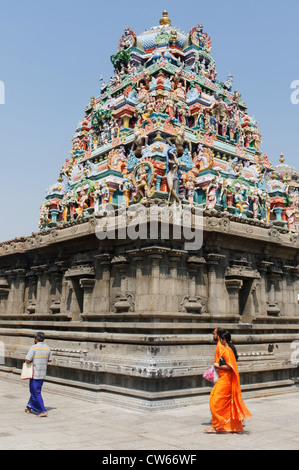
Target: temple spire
point(165, 20)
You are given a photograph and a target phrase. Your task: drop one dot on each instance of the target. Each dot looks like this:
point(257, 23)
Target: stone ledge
point(213, 221)
point(151, 338)
point(152, 402)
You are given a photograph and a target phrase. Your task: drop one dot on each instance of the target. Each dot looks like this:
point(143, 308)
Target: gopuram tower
point(166, 222)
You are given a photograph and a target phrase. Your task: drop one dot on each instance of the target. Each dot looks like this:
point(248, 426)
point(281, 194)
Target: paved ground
point(74, 424)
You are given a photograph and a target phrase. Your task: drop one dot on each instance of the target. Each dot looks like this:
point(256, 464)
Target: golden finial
point(158, 137)
point(165, 20)
point(281, 158)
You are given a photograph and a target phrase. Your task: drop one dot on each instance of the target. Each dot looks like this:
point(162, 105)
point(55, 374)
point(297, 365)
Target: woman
point(226, 404)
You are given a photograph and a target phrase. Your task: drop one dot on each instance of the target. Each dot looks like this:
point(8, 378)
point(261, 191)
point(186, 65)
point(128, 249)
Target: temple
point(166, 143)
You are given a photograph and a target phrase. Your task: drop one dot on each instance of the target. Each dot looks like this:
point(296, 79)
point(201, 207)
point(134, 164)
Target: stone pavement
point(75, 424)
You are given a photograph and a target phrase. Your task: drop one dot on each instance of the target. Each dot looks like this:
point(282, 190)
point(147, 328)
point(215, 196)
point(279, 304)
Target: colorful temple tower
point(165, 92)
point(131, 317)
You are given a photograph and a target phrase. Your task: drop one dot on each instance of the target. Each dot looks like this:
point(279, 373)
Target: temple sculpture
point(128, 316)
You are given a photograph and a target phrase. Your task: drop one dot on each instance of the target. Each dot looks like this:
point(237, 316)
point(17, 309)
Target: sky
point(52, 54)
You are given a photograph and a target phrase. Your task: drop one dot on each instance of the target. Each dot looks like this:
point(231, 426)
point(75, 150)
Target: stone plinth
point(133, 319)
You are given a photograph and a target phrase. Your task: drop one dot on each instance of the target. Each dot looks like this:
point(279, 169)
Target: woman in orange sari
point(226, 404)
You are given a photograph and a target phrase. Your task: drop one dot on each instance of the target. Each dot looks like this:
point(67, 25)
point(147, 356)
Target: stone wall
point(132, 321)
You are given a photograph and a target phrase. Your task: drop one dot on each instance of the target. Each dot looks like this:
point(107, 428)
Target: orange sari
point(226, 404)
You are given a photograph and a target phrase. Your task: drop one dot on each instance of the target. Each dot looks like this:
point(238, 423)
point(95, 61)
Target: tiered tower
point(165, 94)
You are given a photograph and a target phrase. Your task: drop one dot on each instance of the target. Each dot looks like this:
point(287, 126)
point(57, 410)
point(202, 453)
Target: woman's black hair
point(227, 336)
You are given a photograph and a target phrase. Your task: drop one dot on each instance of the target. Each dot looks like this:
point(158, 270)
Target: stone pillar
point(81, 269)
point(192, 302)
point(63, 286)
point(174, 259)
point(74, 300)
point(10, 300)
point(263, 269)
point(4, 291)
point(233, 287)
point(20, 291)
point(213, 289)
point(140, 286)
point(174, 286)
point(273, 308)
point(55, 291)
point(295, 292)
point(87, 285)
point(32, 286)
point(102, 286)
point(42, 290)
point(288, 294)
point(138, 258)
point(156, 301)
point(16, 297)
point(122, 303)
point(249, 312)
point(155, 258)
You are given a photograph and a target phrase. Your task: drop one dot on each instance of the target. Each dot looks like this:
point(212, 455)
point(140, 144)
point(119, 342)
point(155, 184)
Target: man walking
point(40, 354)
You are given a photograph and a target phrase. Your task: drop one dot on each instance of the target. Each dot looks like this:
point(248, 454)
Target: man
point(40, 354)
point(219, 346)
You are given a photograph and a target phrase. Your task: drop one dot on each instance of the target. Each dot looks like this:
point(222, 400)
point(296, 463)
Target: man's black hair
point(40, 337)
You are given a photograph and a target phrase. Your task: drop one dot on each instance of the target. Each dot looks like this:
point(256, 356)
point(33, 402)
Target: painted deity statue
point(255, 198)
point(190, 186)
point(179, 140)
point(200, 161)
point(142, 91)
point(104, 194)
point(240, 198)
point(65, 206)
point(126, 187)
point(82, 201)
point(225, 185)
point(211, 193)
point(143, 182)
point(173, 174)
point(97, 196)
point(292, 211)
point(141, 139)
point(267, 206)
point(44, 214)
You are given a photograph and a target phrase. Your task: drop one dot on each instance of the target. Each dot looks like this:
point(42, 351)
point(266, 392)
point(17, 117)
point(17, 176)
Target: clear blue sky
point(52, 54)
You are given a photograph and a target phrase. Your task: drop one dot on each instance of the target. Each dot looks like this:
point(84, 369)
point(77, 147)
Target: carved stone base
point(193, 305)
point(123, 303)
point(133, 319)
